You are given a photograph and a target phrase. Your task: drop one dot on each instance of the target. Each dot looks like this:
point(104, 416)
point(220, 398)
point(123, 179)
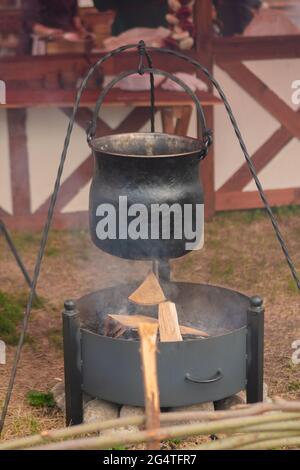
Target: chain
point(143, 52)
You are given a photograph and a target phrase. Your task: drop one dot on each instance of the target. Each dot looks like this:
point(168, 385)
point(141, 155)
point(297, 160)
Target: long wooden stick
point(280, 410)
point(179, 431)
point(170, 417)
point(237, 442)
point(148, 336)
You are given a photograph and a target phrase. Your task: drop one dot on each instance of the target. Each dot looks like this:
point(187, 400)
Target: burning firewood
point(117, 325)
point(168, 322)
point(149, 292)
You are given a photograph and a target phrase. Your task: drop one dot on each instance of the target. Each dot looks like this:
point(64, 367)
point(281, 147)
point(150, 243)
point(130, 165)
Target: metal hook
point(142, 52)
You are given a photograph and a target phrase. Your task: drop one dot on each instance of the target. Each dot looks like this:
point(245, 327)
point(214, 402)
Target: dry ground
point(240, 252)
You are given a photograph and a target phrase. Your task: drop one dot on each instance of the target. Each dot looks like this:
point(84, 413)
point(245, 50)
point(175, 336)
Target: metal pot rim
point(195, 152)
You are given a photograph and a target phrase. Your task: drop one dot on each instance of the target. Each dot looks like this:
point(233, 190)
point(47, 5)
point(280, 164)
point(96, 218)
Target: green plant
point(294, 386)
point(40, 399)
point(176, 442)
point(52, 251)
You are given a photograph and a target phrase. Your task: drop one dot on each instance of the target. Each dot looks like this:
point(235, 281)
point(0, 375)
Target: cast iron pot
point(145, 168)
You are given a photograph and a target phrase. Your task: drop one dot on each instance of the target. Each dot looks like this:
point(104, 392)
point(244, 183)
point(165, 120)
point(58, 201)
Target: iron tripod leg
point(15, 253)
point(72, 364)
point(255, 350)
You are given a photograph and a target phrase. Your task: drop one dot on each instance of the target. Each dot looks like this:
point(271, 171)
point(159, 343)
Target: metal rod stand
point(15, 253)
point(72, 362)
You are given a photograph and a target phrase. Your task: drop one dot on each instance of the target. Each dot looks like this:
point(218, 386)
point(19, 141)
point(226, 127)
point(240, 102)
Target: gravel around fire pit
point(240, 252)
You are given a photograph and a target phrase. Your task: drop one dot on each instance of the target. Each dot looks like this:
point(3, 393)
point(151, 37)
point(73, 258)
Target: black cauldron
point(146, 198)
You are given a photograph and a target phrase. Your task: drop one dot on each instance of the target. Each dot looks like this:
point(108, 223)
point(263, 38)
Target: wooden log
point(148, 336)
point(133, 321)
point(149, 292)
point(168, 322)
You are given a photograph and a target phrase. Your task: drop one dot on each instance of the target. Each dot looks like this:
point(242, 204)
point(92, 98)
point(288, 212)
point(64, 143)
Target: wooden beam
point(35, 222)
point(84, 116)
point(207, 169)
point(37, 67)
point(236, 49)
point(278, 140)
point(237, 200)
point(19, 162)
point(71, 186)
point(258, 90)
point(204, 36)
point(23, 97)
point(134, 121)
point(3, 213)
point(183, 118)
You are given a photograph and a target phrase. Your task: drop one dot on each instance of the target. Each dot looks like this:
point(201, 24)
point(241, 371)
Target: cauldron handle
point(206, 133)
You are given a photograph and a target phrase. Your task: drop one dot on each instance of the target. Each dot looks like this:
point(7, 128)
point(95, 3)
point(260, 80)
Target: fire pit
point(189, 372)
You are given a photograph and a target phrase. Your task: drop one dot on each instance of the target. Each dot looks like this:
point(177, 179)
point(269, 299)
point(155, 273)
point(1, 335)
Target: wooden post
point(19, 164)
point(204, 53)
point(148, 336)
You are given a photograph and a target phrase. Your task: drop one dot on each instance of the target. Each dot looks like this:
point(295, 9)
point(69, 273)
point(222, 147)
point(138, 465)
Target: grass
point(294, 386)
point(25, 425)
point(292, 287)
point(221, 272)
point(11, 313)
point(40, 399)
point(55, 338)
point(52, 251)
point(176, 442)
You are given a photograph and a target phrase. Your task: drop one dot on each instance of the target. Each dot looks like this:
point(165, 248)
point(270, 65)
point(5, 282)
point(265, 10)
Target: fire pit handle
point(218, 376)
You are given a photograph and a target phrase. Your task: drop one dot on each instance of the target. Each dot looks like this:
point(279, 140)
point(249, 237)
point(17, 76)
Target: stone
point(207, 406)
point(130, 411)
point(230, 402)
point(58, 392)
point(266, 398)
point(125, 412)
point(100, 409)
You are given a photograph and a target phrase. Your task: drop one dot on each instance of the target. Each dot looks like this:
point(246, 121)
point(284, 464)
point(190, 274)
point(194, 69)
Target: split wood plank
point(133, 321)
point(149, 292)
point(148, 336)
point(168, 322)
